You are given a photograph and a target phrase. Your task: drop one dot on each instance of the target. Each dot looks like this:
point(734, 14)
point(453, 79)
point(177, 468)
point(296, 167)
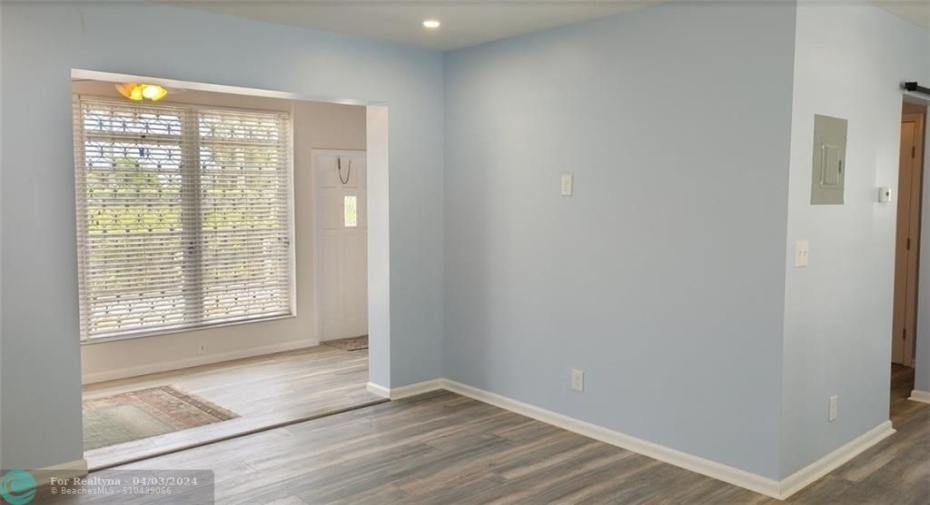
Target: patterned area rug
point(349, 344)
point(125, 417)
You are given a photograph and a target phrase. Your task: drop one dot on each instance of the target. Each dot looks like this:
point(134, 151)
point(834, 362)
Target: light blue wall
point(667, 277)
point(42, 42)
point(851, 58)
point(663, 276)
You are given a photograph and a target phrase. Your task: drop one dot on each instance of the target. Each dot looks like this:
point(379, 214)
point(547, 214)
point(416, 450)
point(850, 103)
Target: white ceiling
point(464, 22)
point(915, 11)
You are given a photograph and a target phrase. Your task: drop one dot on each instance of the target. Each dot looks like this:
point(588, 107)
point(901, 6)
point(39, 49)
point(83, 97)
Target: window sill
point(161, 333)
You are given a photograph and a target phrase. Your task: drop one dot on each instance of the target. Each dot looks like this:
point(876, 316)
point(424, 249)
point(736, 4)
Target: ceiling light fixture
point(431, 23)
point(138, 92)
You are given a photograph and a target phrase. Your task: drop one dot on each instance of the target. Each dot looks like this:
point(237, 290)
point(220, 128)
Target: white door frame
point(314, 189)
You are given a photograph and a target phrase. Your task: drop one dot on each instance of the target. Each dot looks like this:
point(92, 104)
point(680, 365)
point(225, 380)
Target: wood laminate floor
point(265, 391)
point(441, 448)
point(902, 383)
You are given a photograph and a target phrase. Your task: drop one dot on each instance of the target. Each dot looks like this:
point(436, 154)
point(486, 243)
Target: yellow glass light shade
point(130, 90)
point(138, 92)
point(153, 92)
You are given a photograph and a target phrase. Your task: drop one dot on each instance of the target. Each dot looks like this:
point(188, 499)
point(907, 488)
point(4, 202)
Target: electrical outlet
point(834, 407)
point(578, 380)
point(201, 348)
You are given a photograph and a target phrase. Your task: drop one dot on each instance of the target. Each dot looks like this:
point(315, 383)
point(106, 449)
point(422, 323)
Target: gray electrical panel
point(829, 166)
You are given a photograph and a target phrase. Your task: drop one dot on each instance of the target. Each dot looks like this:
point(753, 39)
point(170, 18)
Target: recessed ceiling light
point(431, 23)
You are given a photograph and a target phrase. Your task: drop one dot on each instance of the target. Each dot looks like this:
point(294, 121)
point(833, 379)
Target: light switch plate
point(567, 184)
point(802, 252)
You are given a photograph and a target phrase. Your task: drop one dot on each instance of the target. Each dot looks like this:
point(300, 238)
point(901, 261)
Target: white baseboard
point(405, 391)
point(920, 396)
point(813, 472)
point(208, 359)
point(381, 391)
point(70, 470)
point(747, 480)
point(680, 459)
point(769, 487)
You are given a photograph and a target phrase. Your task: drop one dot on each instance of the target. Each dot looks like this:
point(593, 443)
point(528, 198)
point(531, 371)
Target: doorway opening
point(200, 268)
point(907, 252)
point(341, 178)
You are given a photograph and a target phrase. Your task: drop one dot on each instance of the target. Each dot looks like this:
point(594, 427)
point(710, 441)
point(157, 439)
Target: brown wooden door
point(908, 238)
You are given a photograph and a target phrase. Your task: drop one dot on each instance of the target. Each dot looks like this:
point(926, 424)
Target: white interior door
point(342, 243)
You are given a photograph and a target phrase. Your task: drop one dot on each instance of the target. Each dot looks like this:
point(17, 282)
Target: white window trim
point(192, 161)
point(164, 332)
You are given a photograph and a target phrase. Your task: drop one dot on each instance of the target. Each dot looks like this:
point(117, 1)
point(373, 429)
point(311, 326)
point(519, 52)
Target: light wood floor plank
point(265, 391)
point(441, 448)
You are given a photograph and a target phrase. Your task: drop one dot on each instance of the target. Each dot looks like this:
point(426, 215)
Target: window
point(183, 216)
point(350, 211)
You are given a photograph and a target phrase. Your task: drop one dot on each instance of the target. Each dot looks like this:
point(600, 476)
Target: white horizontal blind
point(183, 215)
point(244, 214)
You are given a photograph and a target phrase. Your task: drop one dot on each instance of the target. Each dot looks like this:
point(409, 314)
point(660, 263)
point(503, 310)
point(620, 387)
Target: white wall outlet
point(567, 182)
point(578, 380)
point(834, 408)
point(201, 348)
point(802, 252)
